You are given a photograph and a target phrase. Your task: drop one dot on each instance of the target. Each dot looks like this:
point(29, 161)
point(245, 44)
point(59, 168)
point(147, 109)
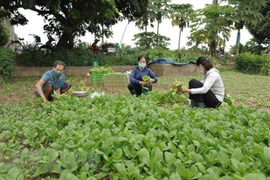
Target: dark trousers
point(133, 88)
point(209, 98)
point(48, 87)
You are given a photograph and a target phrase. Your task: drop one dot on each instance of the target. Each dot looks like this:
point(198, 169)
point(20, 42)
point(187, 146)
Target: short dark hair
point(140, 57)
point(205, 62)
point(59, 63)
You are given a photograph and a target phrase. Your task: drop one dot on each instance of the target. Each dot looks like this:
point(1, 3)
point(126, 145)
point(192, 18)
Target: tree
point(69, 18)
point(210, 26)
point(260, 31)
point(148, 40)
point(180, 16)
point(156, 11)
point(246, 13)
point(161, 10)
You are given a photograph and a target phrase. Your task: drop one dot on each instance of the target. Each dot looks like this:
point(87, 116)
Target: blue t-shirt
point(50, 76)
point(136, 75)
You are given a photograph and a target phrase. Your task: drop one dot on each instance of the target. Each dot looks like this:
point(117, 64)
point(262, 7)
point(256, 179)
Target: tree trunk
point(213, 48)
point(215, 2)
point(124, 33)
point(157, 32)
point(179, 38)
point(66, 41)
point(213, 44)
point(237, 43)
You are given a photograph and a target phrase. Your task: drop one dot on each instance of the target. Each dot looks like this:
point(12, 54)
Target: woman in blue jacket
point(136, 82)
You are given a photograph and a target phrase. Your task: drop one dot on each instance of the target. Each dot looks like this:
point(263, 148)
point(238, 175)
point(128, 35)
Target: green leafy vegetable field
point(118, 136)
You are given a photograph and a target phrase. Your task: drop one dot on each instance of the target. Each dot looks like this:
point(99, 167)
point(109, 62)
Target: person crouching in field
point(137, 85)
point(52, 80)
point(210, 92)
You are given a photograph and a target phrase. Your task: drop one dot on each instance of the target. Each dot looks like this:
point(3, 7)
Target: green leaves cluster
point(7, 58)
point(132, 138)
point(68, 19)
point(4, 33)
point(146, 78)
point(101, 70)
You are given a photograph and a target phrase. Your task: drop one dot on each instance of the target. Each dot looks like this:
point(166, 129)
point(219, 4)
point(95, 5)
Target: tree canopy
point(261, 31)
point(70, 18)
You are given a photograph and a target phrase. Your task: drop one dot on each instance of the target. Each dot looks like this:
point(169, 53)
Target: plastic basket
point(118, 80)
point(97, 80)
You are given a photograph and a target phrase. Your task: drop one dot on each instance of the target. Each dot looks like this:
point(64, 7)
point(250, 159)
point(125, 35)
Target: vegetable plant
point(145, 137)
point(101, 70)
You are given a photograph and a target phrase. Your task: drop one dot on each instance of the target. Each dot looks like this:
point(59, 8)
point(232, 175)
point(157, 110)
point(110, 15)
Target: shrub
point(7, 58)
point(81, 56)
point(250, 63)
point(118, 60)
point(266, 67)
point(74, 57)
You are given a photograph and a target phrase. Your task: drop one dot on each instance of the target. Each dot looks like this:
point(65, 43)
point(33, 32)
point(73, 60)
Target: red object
point(94, 47)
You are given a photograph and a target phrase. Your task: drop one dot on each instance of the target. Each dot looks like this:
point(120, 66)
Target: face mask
point(142, 65)
point(57, 74)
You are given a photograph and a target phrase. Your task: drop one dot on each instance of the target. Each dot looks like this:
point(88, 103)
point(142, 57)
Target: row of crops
point(124, 137)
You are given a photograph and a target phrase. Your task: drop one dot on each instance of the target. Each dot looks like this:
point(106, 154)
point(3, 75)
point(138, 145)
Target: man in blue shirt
point(52, 80)
point(137, 84)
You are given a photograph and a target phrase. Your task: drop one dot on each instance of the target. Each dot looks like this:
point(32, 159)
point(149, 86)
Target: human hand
point(152, 80)
point(186, 90)
point(144, 83)
point(45, 100)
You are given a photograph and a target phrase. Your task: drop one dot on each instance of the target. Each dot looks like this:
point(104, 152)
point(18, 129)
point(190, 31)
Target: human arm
point(58, 91)
point(208, 82)
point(153, 78)
point(134, 77)
point(38, 86)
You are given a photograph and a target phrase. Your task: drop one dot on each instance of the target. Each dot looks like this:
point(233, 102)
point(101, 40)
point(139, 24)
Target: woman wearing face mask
point(136, 82)
point(210, 92)
point(52, 80)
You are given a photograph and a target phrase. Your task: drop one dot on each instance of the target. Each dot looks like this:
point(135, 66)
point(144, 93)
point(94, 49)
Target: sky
point(35, 26)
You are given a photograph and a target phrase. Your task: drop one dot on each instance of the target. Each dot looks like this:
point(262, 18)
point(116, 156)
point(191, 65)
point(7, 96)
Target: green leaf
point(169, 157)
point(42, 169)
point(237, 154)
point(14, 172)
point(158, 155)
point(254, 176)
point(117, 154)
point(175, 176)
point(266, 152)
point(66, 175)
point(85, 168)
point(120, 167)
point(226, 178)
point(201, 167)
point(144, 156)
point(3, 146)
point(52, 154)
point(150, 178)
point(235, 164)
